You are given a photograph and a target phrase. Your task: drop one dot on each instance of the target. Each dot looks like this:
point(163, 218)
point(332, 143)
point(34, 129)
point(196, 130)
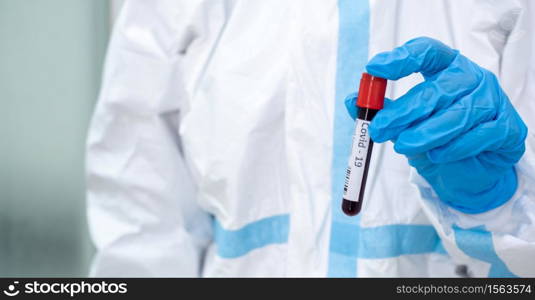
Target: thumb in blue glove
point(457, 128)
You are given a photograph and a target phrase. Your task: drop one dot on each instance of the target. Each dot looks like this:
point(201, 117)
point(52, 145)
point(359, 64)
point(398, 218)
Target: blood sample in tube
point(370, 101)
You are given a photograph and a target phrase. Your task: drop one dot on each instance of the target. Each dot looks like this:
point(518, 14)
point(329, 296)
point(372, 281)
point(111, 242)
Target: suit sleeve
point(142, 211)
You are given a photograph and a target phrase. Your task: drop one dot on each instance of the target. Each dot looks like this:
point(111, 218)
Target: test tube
point(370, 101)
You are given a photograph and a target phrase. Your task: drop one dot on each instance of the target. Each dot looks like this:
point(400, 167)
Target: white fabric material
point(428, 265)
point(225, 109)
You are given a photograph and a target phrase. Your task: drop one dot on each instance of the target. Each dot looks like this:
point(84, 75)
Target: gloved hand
point(457, 128)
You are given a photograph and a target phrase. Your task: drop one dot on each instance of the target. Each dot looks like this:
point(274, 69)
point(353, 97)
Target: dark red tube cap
point(371, 92)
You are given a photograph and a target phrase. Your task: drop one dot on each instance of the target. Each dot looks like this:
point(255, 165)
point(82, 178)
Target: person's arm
point(470, 149)
point(500, 242)
point(143, 215)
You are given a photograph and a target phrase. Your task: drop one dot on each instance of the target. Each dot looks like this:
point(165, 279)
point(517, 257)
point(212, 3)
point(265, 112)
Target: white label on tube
point(357, 160)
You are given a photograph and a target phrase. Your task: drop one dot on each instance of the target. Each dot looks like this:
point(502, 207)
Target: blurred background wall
point(51, 54)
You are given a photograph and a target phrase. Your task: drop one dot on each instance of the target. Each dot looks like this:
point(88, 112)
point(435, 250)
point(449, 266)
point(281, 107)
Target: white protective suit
point(220, 141)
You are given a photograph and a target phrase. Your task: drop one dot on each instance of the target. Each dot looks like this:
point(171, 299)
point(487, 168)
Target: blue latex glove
point(457, 128)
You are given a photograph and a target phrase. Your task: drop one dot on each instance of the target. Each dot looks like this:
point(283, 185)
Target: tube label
point(357, 161)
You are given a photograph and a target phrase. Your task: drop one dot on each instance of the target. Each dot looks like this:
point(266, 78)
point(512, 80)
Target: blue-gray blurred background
point(51, 55)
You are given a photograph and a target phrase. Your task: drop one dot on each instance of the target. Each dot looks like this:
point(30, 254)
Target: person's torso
point(267, 138)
